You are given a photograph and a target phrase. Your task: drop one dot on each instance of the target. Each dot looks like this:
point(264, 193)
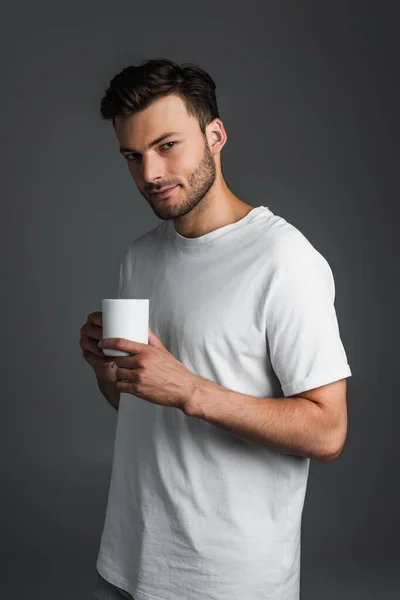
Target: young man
point(244, 377)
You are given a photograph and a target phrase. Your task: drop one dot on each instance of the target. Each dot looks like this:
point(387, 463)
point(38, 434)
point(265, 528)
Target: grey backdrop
point(309, 95)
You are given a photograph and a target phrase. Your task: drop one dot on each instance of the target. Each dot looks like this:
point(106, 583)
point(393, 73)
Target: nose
point(153, 169)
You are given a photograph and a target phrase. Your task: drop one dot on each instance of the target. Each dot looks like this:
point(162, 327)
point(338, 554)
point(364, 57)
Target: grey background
point(309, 95)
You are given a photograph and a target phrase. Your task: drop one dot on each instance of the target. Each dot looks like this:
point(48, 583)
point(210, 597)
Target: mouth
point(165, 192)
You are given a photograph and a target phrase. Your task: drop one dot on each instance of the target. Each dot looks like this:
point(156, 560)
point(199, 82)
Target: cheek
point(183, 166)
point(133, 171)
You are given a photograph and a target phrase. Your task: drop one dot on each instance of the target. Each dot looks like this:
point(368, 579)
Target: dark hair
point(135, 88)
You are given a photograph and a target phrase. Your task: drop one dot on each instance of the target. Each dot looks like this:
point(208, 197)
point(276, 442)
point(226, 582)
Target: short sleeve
point(302, 329)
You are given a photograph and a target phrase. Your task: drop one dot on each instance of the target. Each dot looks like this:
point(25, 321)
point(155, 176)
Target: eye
point(169, 143)
point(138, 155)
point(129, 159)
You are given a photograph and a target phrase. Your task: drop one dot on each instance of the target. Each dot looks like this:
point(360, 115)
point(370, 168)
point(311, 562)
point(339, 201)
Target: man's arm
point(315, 427)
point(110, 392)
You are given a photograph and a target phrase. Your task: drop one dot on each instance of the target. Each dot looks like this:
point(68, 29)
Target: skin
point(313, 424)
point(202, 202)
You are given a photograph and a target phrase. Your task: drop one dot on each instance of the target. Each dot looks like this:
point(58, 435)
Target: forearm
point(287, 425)
point(110, 392)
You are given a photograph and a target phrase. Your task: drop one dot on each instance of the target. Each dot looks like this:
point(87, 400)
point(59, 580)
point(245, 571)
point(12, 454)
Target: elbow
point(327, 458)
point(332, 450)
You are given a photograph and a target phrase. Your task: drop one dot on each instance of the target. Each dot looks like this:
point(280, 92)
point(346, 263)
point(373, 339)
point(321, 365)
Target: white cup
point(125, 318)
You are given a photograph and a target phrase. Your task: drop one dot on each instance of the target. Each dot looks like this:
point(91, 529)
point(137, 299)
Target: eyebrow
point(153, 143)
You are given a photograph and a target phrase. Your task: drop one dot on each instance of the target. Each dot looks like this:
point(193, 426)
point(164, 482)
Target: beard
point(200, 182)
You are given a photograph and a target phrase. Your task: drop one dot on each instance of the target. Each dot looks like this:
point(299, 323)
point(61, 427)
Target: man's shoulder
point(145, 242)
point(287, 245)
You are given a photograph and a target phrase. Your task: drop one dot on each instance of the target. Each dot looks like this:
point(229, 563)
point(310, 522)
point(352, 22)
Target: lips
point(164, 192)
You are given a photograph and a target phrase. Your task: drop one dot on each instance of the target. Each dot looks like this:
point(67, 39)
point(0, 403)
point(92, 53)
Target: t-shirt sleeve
point(303, 336)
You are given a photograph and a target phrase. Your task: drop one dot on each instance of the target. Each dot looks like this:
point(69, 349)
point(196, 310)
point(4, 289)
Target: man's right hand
point(91, 334)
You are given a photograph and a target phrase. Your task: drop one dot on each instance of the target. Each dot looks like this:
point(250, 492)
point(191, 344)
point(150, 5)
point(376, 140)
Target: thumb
point(154, 340)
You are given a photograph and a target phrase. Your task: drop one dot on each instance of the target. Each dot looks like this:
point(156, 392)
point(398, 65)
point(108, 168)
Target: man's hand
point(151, 373)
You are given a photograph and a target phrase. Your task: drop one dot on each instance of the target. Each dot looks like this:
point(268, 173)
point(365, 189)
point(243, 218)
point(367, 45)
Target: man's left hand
point(151, 373)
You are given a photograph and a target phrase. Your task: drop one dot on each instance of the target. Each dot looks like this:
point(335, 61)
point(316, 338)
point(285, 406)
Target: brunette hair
point(136, 87)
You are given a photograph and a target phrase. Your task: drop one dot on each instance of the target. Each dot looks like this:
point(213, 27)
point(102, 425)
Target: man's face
point(183, 159)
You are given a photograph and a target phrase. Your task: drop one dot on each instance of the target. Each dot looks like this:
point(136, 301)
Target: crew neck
point(212, 235)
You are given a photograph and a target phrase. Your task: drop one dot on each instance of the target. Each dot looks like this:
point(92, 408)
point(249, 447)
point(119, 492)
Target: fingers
point(96, 318)
point(90, 337)
point(93, 347)
point(97, 362)
point(92, 331)
point(91, 334)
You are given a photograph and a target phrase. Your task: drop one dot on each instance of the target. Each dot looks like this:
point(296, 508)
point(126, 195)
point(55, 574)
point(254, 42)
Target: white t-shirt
point(195, 512)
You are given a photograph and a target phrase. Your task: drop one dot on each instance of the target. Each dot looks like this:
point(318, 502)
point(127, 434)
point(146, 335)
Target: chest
point(197, 307)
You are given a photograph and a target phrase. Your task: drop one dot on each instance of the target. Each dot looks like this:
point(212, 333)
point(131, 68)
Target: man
point(243, 379)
